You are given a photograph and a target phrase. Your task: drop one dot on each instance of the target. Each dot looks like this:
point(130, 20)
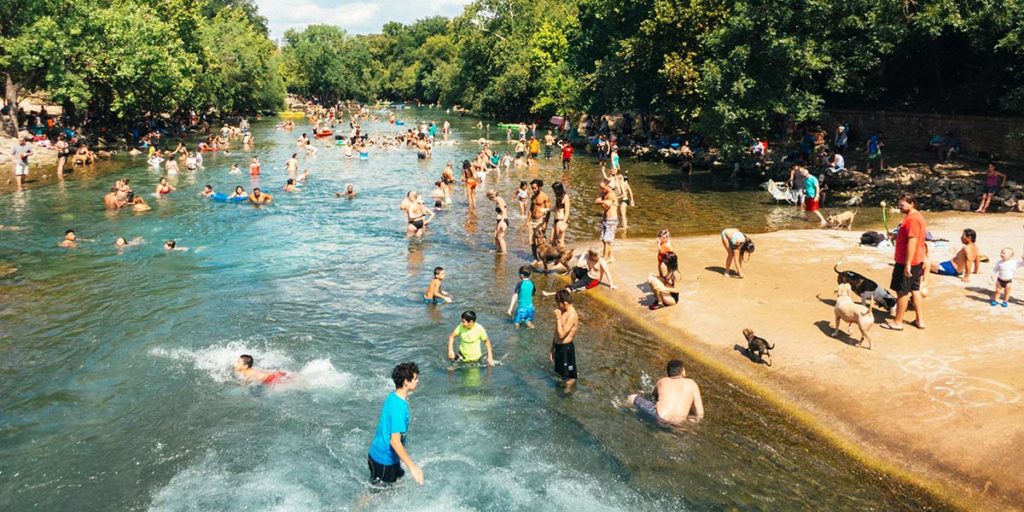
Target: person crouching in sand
point(250, 375)
point(675, 397)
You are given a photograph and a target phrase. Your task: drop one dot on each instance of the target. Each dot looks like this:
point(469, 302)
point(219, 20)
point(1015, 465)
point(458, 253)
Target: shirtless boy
point(434, 294)
point(609, 205)
point(540, 205)
point(674, 397)
point(964, 257)
point(563, 352)
point(250, 375)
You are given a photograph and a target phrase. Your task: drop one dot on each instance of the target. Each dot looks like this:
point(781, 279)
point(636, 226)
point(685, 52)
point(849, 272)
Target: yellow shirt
point(470, 340)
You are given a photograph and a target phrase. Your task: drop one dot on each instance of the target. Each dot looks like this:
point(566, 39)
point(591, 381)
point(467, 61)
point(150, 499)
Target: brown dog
point(547, 253)
point(758, 347)
point(841, 220)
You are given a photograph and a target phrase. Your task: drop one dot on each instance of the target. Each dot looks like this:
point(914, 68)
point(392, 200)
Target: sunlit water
point(116, 390)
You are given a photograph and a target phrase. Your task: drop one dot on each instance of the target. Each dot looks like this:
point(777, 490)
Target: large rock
point(850, 178)
point(961, 205)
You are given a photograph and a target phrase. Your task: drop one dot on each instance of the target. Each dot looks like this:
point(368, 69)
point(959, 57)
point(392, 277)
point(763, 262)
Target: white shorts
point(608, 227)
point(20, 169)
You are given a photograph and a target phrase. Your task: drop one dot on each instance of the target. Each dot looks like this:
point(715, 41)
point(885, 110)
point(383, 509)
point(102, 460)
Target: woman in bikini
point(665, 287)
point(738, 248)
point(523, 194)
point(417, 215)
point(469, 178)
point(502, 210)
point(561, 214)
point(163, 188)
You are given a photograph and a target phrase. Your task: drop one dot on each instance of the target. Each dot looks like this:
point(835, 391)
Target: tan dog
point(852, 313)
point(548, 253)
point(842, 219)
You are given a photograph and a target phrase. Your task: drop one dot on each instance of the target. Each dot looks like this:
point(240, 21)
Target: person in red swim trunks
point(250, 375)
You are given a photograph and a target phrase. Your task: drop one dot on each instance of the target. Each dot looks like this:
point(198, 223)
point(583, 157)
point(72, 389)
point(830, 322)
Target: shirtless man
point(609, 204)
point(563, 352)
point(258, 197)
point(250, 375)
point(674, 397)
point(964, 257)
point(69, 241)
point(540, 205)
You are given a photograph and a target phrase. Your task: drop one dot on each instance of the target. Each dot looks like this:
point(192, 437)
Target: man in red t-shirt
point(566, 154)
point(909, 267)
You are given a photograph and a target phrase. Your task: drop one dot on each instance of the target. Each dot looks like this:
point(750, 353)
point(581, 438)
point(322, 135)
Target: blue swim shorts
point(946, 268)
point(523, 315)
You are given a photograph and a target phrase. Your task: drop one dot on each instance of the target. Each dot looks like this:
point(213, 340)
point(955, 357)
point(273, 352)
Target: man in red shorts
point(812, 188)
point(250, 375)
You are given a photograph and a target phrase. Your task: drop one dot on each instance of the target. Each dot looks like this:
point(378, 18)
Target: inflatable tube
point(324, 133)
point(399, 123)
point(208, 150)
point(219, 197)
point(291, 115)
point(364, 156)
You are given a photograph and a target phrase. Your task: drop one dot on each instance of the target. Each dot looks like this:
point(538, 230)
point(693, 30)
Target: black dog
point(758, 346)
point(866, 289)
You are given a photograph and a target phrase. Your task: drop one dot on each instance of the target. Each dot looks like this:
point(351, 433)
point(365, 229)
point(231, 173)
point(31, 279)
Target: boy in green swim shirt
point(470, 335)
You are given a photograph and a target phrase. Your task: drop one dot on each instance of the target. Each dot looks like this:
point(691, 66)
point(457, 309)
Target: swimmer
point(434, 294)
point(471, 335)
point(350, 192)
point(675, 397)
point(258, 197)
point(387, 452)
point(254, 167)
point(239, 192)
point(250, 375)
point(290, 186)
point(304, 176)
point(235, 169)
point(121, 242)
point(139, 205)
point(207, 191)
point(69, 241)
point(438, 195)
point(417, 215)
point(563, 352)
point(292, 165)
point(163, 188)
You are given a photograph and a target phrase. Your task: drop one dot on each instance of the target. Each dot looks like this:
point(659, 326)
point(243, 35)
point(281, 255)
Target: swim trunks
point(418, 223)
point(274, 377)
point(946, 268)
point(1003, 283)
point(381, 474)
point(582, 279)
point(608, 227)
point(647, 407)
point(902, 284)
point(565, 360)
point(435, 300)
point(811, 204)
point(523, 315)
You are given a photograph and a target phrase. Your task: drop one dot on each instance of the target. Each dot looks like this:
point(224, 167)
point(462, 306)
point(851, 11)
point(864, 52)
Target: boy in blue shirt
point(387, 451)
point(524, 297)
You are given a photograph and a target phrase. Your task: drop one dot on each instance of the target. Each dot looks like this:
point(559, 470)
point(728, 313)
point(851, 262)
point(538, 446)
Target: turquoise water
point(115, 383)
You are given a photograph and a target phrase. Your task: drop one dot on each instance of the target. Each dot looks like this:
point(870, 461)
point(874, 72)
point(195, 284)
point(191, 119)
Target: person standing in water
point(499, 231)
point(387, 451)
point(563, 352)
point(675, 397)
point(471, 335)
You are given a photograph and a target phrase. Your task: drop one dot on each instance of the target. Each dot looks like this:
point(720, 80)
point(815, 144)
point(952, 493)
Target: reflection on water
point(115, 381)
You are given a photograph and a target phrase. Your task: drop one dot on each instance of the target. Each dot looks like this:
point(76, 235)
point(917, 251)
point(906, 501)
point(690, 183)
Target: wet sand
point(940, 406)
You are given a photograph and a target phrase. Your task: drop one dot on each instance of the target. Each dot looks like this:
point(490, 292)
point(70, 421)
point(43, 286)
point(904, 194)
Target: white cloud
point(359, 17)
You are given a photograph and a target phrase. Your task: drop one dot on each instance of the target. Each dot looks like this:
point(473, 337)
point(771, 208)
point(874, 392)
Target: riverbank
point(939, 407)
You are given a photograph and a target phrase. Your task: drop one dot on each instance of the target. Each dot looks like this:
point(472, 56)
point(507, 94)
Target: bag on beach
point(871, 238)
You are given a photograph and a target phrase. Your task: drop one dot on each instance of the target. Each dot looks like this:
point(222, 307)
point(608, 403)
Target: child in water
point(1002, 274)
point(523, 296)
point(434, 294)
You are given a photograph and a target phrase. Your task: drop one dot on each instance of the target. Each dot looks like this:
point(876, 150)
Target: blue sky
point(355, 16)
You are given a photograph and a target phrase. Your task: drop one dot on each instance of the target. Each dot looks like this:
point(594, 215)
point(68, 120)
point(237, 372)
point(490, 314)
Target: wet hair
point(469, 315)
point(746, 249)
point(404, 372)
point(294, 155)
point(291, 181)
point(465, 164)
point(68, 232)
point(674, 368)
point(239, 187)
point(969, 233)
point(672, 261)
point(121, 240)
point(909, 198)
point(256, 190)
point(538, 182)
point(170, 244)
point(525, 271)
point(438, 270)
point(209, 187)
point(246, 360)
point(558, 188)
point(563, 296)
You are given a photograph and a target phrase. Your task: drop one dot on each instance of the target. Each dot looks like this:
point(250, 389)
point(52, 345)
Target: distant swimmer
point(69, 241)
point(258, 197)
point(471, 335)
point(238, 193)
point(387, 451)
point(675, 397)
point(207, 191)
point(250, 375)
point(434, 293)
point(290, 186)
point(172, 245)
point(121, 242)
point(163, 188)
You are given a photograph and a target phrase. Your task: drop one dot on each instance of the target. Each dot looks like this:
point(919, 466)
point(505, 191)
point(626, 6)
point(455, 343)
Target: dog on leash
point(840, 220)
point(866, 289)
point(852, 313)
point(758, 346)
point(550, 254)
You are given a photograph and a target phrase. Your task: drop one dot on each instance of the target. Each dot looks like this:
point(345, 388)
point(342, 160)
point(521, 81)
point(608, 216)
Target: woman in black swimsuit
point(417, 215)
point(561, 214)
point(666, 289)
point(63, 152)
point(502, 210)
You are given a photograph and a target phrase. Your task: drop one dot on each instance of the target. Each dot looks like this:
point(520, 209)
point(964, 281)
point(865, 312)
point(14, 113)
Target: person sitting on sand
point(738, 247)
point(69, 241)
point(960, 264)
point(675, 397)
point(589, 271)
point(258, 197)
point(664, 247)
point(250, 375)
point(665, 287)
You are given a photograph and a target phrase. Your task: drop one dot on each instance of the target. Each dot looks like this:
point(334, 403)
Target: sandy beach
point(940, 406)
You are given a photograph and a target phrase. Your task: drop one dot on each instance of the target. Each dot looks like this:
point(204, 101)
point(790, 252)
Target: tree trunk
point(11, 97)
